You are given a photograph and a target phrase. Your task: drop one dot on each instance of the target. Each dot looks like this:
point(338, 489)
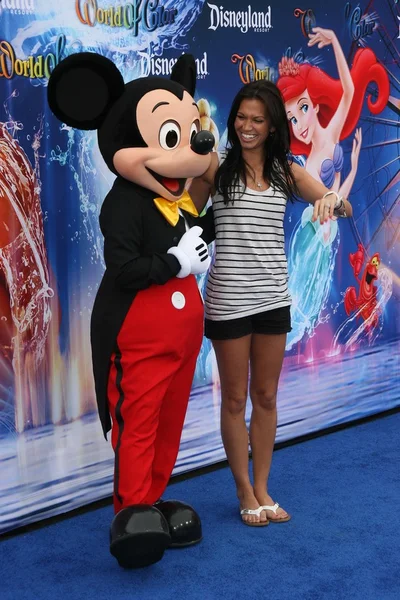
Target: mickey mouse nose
point(203, 142)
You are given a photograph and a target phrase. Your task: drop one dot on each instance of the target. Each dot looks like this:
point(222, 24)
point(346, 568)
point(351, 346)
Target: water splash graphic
point(41, 37)
point(311, 262)
point(26, 312)
point(77, 156)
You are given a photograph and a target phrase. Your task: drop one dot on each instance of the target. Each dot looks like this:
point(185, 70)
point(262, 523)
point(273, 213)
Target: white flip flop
point(273, 508)
point(257, 512)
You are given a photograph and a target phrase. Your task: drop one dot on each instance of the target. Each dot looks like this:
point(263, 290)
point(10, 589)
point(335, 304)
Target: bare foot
point(264, 499)
point(248, 500)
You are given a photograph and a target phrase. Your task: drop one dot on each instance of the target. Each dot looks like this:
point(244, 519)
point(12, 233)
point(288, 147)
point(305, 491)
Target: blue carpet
point(341, 544)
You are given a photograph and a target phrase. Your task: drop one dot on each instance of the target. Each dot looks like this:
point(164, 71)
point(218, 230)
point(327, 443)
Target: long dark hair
point(232, 171)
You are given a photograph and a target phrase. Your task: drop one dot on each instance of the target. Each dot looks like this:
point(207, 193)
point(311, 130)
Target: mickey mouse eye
point(170, 135)
point(195, 128)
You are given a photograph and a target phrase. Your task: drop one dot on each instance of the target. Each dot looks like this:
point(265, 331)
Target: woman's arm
point(313, 191)
point(202, 187)
point(326, 37)
point(200, 192)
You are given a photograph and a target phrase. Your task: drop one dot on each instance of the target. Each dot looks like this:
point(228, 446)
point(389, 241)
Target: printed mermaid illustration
point(322, 112)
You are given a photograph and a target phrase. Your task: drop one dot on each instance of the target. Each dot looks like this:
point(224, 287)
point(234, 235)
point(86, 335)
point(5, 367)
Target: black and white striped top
point(249, 273)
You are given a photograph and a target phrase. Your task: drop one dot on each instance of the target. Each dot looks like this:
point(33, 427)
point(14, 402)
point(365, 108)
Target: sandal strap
point(250, 511)
point(272, 508)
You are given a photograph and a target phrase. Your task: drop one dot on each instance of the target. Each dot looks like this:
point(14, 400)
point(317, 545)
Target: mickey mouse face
point(169, 126)
point(148, 130)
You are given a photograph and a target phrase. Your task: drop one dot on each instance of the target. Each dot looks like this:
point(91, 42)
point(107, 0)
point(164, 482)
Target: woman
point(247, 303)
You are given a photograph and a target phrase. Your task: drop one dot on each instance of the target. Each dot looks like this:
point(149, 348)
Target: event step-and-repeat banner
point(342, 359)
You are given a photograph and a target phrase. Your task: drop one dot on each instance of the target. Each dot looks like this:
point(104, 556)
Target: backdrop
point(342, 358)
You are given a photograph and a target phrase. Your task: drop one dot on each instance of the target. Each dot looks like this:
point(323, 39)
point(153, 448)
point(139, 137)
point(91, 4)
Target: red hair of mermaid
point(325, 91)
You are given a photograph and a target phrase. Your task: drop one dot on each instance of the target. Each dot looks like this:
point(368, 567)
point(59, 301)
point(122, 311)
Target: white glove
point(192, 253)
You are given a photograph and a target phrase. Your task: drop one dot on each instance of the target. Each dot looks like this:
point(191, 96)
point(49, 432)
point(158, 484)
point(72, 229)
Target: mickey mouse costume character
point(147, 319)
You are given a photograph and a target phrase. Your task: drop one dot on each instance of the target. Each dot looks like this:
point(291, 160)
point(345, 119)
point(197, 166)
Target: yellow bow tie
point(170, 208)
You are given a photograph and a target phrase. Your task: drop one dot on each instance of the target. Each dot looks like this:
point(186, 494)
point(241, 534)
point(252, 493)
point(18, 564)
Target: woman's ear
point(82, 88)
point(184, 72)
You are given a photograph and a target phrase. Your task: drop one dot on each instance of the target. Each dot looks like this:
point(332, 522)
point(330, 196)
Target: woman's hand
point(331, 205)
point(206, 121)
point(318, 195)
point(323, 209)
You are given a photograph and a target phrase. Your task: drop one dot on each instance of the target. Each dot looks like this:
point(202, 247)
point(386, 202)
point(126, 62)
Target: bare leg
point(266, 358)
point(233, 366)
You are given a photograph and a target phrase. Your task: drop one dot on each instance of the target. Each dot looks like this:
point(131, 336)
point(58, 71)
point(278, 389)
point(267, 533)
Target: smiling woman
point(247, 302)
point(252, 128)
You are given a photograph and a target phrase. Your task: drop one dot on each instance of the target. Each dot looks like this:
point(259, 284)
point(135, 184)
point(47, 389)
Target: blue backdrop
point(343, 354)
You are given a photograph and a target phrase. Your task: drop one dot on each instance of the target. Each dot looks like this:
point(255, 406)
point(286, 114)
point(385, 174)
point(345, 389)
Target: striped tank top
point(249, 272)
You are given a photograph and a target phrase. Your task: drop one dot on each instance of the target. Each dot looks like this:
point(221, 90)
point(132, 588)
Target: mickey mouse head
point(148, 129)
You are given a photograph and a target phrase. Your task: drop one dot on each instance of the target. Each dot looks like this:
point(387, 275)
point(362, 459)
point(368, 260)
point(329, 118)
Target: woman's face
point(251, 124)
point(302, 116)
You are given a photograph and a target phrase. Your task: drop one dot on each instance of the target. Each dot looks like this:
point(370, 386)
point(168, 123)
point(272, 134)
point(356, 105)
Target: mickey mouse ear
point(82, 88)
point(184, 72)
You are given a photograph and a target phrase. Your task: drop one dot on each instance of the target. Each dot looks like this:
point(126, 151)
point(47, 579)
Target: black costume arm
point(121, 225)
point(206, 222)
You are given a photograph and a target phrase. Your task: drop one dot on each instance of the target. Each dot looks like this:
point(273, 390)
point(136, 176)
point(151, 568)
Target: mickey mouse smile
point(173, 186)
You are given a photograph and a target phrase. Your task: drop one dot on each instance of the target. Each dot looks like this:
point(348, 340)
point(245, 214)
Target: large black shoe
point(183, 522)
point(139, 536)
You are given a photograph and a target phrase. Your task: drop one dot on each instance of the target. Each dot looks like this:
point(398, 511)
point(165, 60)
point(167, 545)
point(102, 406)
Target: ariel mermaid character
point(322, 112)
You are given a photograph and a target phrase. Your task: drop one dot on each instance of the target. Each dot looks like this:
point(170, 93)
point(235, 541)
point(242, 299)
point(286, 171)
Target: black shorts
point(276, 321)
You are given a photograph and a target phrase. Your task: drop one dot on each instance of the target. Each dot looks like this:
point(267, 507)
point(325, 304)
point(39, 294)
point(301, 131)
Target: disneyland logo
point(243, 20)
point(152, 65)
point(18, 7)
point(150, 14)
